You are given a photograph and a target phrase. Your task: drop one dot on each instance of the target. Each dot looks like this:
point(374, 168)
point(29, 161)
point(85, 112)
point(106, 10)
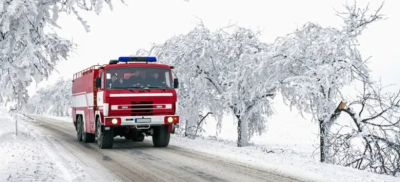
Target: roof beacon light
point(137, 59)
point(124, 59)
point(151, 59)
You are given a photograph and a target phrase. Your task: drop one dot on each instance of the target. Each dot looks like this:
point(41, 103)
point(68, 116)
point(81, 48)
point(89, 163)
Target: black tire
point(161, 136)
point(79, 128)
point(138, 137)
point(105, 138)
point(88, 137)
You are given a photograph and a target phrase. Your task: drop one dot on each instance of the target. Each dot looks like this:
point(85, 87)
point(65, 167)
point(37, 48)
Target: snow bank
point(284, 161)
point(29, 156)
point(23, 157)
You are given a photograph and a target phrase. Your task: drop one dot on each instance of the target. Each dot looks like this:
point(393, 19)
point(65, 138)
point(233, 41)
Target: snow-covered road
point(129, 161)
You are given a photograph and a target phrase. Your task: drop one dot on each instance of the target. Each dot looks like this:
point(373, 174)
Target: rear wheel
point(161, 136)
point(88, 137)
point(79, 128)
point(105, 138)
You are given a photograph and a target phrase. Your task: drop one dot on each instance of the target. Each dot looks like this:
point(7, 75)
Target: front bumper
point(133, 120)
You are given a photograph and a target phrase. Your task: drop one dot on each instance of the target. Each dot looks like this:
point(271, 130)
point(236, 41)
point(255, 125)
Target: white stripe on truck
point(142, 95)
point(82, 100)
point(79, 101)
point(89, 97)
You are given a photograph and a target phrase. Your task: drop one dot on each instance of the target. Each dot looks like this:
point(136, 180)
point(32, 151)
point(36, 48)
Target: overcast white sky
point(127, 28)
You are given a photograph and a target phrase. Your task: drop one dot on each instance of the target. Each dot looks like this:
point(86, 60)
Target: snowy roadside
point(283, 161)
point(31, 156)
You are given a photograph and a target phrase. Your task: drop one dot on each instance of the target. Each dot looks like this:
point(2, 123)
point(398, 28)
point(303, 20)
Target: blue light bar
point(151, 59)
point(145, 59)
point(124, 59)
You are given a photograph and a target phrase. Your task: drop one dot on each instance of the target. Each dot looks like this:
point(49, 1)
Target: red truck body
point(104, 109)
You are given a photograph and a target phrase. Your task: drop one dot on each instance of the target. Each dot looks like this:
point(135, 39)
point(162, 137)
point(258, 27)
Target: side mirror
point(176, 83)
point(98, 82)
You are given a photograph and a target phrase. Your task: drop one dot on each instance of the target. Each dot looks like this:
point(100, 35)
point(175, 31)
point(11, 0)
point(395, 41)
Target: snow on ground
point(281, 150)
point(31, 156)
point(27, 156)
point(283, 161)
point(22, 155)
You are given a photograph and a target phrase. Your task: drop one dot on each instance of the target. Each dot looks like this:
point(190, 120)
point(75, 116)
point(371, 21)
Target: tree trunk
point(239, 130)
point(322, 140)
point(186, 128)
point(324, 127)
point(243, 137)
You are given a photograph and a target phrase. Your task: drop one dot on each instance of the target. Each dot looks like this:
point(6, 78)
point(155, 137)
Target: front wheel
point(105, 138)
point(161, 136)
point(79, 128)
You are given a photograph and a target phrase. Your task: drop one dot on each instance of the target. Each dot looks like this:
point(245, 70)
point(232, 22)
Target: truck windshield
point(138, 77)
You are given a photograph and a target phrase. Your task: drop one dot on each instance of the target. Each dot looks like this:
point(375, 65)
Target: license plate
point(142, 120)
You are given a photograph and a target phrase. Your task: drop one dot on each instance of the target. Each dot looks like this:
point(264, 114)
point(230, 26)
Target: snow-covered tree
point(317, 62)
point(216, 69)
point(30, 48)
point(54, 100)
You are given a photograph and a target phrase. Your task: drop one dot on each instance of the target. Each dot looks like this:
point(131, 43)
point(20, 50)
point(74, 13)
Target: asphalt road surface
point(132, 161)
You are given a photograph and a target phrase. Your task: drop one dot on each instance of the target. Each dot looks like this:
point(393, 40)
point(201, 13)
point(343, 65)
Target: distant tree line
point(53, 100)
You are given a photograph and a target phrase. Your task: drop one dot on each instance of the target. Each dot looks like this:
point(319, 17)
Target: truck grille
point(142, 108)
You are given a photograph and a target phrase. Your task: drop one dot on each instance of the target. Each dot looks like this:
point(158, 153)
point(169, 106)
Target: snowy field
point(286, 161)
point(26, 157)
point(32, 156)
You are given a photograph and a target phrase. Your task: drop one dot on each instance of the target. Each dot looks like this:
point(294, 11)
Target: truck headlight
point(114, 121)
point(170, 119)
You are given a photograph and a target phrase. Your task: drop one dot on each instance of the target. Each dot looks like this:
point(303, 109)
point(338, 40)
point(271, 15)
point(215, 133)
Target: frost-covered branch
point(357, 19)
point(30, 48)
point(374, 143)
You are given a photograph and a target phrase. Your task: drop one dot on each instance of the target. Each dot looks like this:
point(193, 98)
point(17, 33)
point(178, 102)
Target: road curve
point(131, 161)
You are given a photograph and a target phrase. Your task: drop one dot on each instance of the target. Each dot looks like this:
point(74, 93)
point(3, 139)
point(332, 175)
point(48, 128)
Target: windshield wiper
point(131, 88)
point(140, 87)
point(160, 87)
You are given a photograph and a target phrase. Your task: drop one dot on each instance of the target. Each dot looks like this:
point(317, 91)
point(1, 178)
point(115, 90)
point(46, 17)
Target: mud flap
point(171, 129)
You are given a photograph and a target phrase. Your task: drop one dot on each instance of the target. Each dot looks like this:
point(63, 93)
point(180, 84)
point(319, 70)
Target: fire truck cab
point(132, 97)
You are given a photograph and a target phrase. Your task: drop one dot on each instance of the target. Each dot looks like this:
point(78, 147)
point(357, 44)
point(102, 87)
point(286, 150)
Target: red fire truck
point(131, 97)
